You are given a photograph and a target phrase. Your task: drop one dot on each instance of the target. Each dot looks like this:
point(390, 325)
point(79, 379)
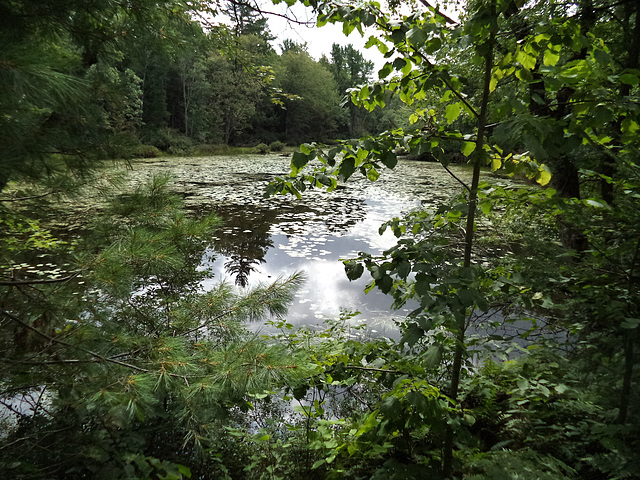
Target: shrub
point(262, 148)
point(146, 151)
point(276, 146)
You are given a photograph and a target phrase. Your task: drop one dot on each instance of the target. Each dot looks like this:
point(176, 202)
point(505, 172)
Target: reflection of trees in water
point(241, 267)
point(245, 237)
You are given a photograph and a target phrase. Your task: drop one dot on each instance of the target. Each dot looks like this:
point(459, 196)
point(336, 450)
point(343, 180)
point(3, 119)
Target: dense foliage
point(116, 364)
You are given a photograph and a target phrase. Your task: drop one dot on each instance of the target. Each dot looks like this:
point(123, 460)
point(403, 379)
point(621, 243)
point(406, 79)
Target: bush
point(146, 151)
point(276, 146)
point(262, 148)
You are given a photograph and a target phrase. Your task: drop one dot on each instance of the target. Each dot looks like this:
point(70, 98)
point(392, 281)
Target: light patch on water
point(265, 238)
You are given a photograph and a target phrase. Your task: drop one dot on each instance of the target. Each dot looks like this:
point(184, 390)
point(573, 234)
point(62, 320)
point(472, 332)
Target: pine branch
point(32, 197)
point(66, 344)
point(273, 299)
point(12, 283)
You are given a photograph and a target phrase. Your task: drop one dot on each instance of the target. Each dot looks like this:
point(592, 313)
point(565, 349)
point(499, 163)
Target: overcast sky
point(319, 40)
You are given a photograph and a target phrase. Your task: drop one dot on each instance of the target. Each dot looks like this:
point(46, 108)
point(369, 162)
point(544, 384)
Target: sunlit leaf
point(526, 60)
point(551, 57)
point(452, 112)
point(467, 148)
point(543, 177)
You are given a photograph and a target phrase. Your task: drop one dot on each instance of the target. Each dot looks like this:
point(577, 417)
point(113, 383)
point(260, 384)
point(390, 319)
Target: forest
point(115, 363)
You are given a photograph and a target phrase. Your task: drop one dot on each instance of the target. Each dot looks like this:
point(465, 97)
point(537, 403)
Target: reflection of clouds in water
point(311, 234)
point(379, 210)
point(328, 289)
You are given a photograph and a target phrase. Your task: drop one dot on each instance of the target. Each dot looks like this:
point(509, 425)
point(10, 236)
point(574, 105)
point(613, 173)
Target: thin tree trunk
point(477, 156)
point(629, 340)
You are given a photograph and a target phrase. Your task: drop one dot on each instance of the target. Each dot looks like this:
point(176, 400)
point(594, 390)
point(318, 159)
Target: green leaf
point(467, 148)
point(347, 167)
point(376, 272)
point(385, 284)
point(318, 463)
point(526, 60)
point(418, 401)
point(630, 323)
point(452, 112)
point(629, 126)
point(403, 269)
point(466, 297)
point(595, 203)
point(432, 356)
point(416, 37)
point(524, 75)
point(412, 335)
point(390, 406)
point(353, 269)
point(298, 162)
point(422, 286)
point(433, 46)
point(629, 79)
point(385, 71)
point(399, 63)
point(551, 57)
point(389, 159)
point(544, 176)
point(602, 57)
point(373, 174)
point(523, 384)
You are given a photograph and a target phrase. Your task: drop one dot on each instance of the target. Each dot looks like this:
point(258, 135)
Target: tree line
point(124, 79)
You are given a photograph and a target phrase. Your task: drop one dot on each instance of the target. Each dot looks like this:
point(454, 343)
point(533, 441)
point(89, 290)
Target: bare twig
point(372, 369)
point(437, 11)
point(454, 176)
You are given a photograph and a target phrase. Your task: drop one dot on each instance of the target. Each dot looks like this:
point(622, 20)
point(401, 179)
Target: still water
point(265, 238)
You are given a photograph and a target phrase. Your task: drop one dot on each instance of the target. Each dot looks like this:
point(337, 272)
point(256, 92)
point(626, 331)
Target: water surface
point(265, 238)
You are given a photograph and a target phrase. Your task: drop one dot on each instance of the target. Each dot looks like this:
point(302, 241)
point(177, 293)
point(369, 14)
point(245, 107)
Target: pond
point(264, 238)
